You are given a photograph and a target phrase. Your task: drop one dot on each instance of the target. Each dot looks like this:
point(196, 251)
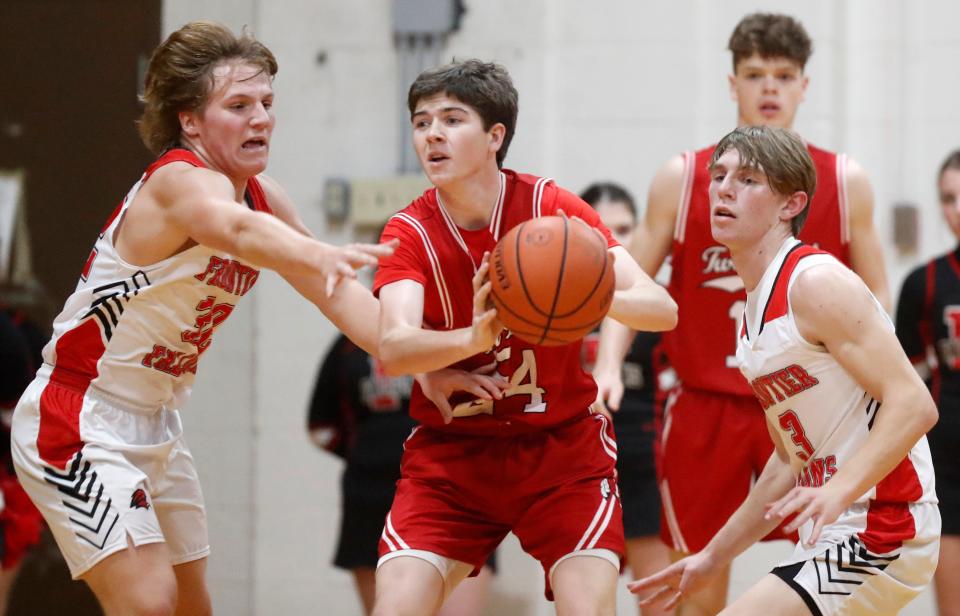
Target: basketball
point(552, 280)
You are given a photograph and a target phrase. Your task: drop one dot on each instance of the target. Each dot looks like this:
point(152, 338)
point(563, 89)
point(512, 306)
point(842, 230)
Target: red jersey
point(708, 291)
point(550, 386)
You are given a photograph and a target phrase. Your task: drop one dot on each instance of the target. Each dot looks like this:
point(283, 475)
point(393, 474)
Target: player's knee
point(588, 592)
point(155, 596)
point(194, 605)
point(155, 603)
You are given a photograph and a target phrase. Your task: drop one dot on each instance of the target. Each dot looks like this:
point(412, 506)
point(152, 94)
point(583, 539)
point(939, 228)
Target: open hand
point(821, 505)
point(341, 262)
point(671, 584)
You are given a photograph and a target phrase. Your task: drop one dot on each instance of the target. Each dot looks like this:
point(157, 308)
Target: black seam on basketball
point(503, 306)
point(563, 265)
point(523, 283)
point(589, 295)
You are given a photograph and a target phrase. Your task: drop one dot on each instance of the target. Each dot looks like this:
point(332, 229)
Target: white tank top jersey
point(821, 414)
point(135, 333)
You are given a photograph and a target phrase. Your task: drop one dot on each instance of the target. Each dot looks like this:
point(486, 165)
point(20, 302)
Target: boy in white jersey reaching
point(844, 408)
point(96, 438)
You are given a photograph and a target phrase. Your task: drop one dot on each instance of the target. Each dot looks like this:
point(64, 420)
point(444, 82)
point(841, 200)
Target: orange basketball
point(552, 280)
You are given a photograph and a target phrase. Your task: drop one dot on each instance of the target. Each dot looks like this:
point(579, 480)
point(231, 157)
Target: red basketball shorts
point(711, 449)
point(459, 496)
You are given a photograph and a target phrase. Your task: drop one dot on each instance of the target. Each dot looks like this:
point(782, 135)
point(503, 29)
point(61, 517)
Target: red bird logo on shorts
point(138, 500)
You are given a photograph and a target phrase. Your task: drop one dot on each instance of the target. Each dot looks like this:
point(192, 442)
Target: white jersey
point(134, 334)
point(821, 414)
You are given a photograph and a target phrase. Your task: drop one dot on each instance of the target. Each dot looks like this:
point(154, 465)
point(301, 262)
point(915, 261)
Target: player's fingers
point(357, 255)
point(659, 595)
point(331, 283)
point(377, 250)
point(480, 275)
point(480, 297)
point(615, 396)
point(443, 405)
point(807, 513)
point(658, 578)
point(815, 533)
point(488, 318)
point(779, 506)
point(490, 386)
point(478, 390)
point(674, 600)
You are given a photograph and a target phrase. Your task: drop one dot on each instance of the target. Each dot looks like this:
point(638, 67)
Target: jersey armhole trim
point(842, 201)
point(680, 228)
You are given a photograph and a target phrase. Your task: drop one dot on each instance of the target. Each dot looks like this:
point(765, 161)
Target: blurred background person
point(928, 325)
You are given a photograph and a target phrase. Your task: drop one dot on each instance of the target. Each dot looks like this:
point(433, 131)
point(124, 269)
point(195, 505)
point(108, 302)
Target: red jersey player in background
point(535, 460)
point(713, 429)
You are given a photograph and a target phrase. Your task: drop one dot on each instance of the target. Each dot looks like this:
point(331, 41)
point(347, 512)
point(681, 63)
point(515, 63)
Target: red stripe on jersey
point(888, 526)
point(889, 522)
point(777, 303)
point(89, 264)
point(78, 352)
point(255, 191)
point(113, 216)
point(172, 156)
point(901, 484)
point(926, 327)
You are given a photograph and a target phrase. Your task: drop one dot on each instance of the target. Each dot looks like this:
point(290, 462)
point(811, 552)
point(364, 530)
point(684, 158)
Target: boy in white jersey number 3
point(846, 411)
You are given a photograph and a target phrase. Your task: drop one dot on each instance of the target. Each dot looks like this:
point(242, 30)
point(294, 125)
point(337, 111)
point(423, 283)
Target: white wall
point(609, 90)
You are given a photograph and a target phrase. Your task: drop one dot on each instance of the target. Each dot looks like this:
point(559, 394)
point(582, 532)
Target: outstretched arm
point(199, 204)
point(352, 309)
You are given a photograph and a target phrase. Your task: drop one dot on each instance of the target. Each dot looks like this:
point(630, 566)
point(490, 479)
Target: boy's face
point(949, 189)
point(450, 140)
point(767, 91)
point(743, 207)
point(235, 125)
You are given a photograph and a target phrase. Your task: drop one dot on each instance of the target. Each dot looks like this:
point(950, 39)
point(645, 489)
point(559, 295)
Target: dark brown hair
point(485, 86)
point(772, 36)
point(180, 76)
point(952, 161)
point(780, 155)
point(611, 192)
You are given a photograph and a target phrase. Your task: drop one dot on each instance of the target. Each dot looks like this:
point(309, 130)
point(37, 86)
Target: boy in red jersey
point(712, 427)
point(535, 460)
